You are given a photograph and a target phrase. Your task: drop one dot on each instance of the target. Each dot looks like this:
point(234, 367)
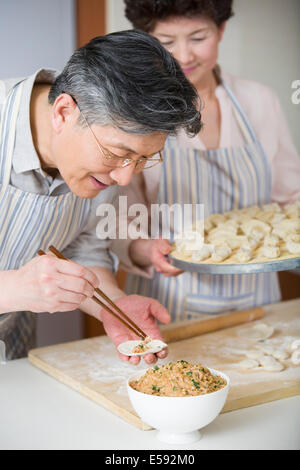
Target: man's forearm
point(8, 291)
point(108, 284)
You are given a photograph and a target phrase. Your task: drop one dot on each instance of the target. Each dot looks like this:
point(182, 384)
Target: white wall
point(262, 43)
point(34, 34)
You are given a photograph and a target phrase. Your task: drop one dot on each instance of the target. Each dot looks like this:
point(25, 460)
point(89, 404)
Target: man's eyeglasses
point(114, 161)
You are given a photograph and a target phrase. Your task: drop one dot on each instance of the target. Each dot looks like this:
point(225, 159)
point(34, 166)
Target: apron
point(222, 179)
point(28, 222)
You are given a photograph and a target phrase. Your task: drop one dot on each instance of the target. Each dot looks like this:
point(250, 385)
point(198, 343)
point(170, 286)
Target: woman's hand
point(146, 252)
point(143, 311)
point(49, 284)
point(159, 249)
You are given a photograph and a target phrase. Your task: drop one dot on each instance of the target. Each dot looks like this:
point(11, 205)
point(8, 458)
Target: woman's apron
point(28, 222)
point(223, 179)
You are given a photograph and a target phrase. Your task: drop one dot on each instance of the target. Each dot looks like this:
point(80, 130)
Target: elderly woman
point(243, 156)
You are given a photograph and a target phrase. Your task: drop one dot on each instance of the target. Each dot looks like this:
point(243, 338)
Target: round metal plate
point(266, 266)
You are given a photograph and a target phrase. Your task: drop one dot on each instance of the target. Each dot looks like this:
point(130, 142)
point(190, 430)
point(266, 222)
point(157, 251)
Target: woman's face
point(193, 42)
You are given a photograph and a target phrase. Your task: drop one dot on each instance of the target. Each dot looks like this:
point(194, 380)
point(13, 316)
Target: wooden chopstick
point(131, 325)
point(104, 296)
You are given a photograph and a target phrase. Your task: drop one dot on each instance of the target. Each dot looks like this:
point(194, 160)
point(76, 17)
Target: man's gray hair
point(129, 81)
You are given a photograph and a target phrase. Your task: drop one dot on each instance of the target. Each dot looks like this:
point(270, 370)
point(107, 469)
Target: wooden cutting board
point(92, 367)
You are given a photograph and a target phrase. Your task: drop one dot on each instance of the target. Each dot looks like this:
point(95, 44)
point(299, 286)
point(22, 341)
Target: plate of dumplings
point(248, 240)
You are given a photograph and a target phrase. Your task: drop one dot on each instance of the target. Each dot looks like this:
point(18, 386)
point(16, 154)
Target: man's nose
point(123, 175)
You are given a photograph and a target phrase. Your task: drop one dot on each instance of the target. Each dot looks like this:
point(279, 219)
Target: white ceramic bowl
point(178, 418)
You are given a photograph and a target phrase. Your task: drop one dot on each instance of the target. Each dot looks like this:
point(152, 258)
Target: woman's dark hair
point(129, 81)
point(144, 14)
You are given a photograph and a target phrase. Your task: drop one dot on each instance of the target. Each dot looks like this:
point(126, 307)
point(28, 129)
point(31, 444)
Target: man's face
point(75, 153)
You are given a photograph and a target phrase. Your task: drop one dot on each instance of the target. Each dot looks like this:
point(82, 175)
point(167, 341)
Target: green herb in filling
point(197, 385)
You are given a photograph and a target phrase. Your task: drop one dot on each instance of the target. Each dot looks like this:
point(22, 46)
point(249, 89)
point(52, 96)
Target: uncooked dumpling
point(243, 256)
point(271, 240)
point(203, 253)
point(257, 332)
point(256, 229)
point(221, 252)
point(273, 207)
point(250, 244)
point(236, 242)
point(222, 231)
point(292, 211)
point(270, 251)
point(293, 225)
point(265, 216)
point(280, 232)
point(280, 354)
point(250, 211)
point(207, 225)
point(285, 227)
point(295, 358)
point(293, 247)
point(295, 345)
point(217, 219)
point(278, 217)
point(128, 347)
point(189, 240)
point(248, 364)
point(270, 364)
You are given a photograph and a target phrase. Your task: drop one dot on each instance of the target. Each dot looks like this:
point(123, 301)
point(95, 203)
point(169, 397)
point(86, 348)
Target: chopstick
point(129, 323)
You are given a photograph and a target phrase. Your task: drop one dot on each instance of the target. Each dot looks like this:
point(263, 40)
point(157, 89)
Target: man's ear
point(64, 111)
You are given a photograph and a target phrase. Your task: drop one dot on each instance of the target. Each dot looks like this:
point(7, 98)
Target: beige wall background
point(262, 42)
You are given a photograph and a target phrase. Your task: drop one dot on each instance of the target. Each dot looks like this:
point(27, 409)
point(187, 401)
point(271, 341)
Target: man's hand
point(49, 284)
point(143, 311)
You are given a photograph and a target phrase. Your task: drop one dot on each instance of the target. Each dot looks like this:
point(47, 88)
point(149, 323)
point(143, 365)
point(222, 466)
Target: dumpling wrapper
point(153, 347)
point(256, 355)
point(257, 332)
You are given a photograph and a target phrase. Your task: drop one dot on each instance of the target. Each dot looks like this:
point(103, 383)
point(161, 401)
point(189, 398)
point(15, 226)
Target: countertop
point(38, 412)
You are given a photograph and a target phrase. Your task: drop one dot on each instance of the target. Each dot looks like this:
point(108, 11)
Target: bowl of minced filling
point(178, 399)
point(178, 379)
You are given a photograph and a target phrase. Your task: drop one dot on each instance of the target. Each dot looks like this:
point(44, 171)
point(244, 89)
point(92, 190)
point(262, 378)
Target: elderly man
point(66, 141)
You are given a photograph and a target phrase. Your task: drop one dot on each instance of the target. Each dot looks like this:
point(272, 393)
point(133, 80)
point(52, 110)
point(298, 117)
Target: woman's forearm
point(139, 252)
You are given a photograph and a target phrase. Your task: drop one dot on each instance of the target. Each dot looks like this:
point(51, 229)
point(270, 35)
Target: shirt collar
point(25, 156)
